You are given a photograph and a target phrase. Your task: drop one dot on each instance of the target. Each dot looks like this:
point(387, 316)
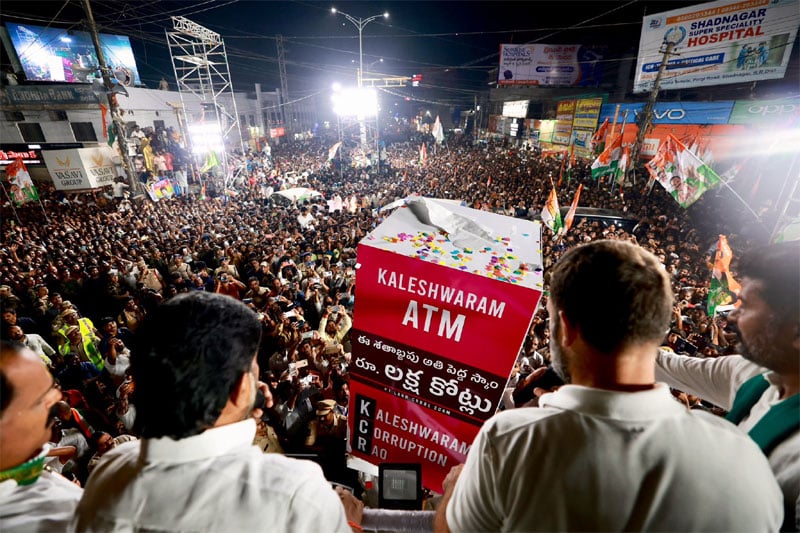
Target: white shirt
point(305, 220)
point(717, 380)
point(598, 460)
point(214, 481)
point(117, 370)
point(45, 505)
point(38, 345)
point(119, 189)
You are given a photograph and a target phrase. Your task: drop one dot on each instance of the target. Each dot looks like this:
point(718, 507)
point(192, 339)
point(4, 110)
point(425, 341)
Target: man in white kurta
point(611, 450)
point(196, 468)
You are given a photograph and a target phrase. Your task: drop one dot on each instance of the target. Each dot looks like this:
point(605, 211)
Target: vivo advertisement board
point(672, 112)
point(717, 43)
point(55, 54)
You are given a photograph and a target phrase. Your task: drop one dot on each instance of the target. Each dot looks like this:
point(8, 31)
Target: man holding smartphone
point(333, 326)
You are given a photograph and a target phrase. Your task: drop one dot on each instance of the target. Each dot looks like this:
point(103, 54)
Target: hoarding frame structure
point(549, 64)
point(71, 63)
point(718, 43)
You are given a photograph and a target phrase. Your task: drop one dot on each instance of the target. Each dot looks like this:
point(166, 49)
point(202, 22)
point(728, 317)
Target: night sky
point(453, 44)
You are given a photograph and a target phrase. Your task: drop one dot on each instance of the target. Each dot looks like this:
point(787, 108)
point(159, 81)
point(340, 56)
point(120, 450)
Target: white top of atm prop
point(443, 232)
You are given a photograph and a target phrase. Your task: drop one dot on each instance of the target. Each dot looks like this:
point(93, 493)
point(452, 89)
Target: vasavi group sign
point(717, 43)
point(81, 168)
point(444, 297)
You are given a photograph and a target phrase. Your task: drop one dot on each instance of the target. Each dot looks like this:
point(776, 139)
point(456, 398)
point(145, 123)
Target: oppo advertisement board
point(56, 54)
point(550, 64)
point(718, 43)
point(766, 112)
point(439, 320)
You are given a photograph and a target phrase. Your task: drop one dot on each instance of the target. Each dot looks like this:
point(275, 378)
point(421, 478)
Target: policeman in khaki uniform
point(328, 439)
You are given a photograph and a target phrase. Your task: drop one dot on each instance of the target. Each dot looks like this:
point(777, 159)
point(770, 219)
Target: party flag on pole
point(551, 215)
point(572, 209)
point(723, 287)
point(211, 161)
point(438, 131)
point(608, 161)
point(333, 149)
point(21, 185)
point(684, 175)
point(599, 138)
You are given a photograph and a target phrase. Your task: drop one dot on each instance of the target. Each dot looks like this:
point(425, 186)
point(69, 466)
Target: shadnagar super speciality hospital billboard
point(718, 43)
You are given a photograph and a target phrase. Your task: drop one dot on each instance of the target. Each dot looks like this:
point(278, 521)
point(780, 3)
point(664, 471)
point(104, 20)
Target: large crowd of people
point(81, 274)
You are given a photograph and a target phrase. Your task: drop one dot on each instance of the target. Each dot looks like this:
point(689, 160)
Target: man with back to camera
point(31, 498)
point(761, 387)
point(612, 450)
point(196, 468)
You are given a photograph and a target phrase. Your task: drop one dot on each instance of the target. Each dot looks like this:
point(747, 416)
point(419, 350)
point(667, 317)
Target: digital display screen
point(400, 485)
point(55, 54)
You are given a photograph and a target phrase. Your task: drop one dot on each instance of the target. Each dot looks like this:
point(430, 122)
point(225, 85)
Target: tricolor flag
point(333, 149)
point(203, 192)
point(684, 175)
point(489, 181)
point(608, 161)
point(572, 209)
point(599, 138)
point(551, 215)
point(423, 154)
point(723, 287)
point(20, 183)
point(622, 167)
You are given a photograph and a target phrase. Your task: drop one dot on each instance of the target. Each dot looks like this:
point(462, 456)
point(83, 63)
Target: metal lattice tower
point(201, 71)
point(286, 109)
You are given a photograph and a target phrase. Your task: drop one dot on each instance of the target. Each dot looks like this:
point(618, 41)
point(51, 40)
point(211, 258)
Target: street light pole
point(360, 24)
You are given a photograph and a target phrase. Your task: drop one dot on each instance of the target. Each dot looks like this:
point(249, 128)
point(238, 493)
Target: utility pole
point(286, 108)
point(112, 100)
point(646, 117)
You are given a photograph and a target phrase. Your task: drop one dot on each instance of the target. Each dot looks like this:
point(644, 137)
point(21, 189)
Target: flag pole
point(736, 194)
point(44, 212)
point(621, 150)
point(13, 207)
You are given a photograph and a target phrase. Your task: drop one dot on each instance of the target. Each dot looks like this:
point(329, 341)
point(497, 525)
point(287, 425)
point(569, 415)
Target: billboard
point(516, 109)
point(55, 54)
point(718, 42)
point(550, 64)
point(81, 168)
point(444, 297)
point(767, 113)
point(565, 113)
point(672, 112)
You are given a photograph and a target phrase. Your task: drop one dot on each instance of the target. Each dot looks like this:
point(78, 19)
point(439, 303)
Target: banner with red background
point(438, 325)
